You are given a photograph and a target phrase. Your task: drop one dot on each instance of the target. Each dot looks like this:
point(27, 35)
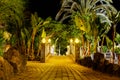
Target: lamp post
point(77, 50)
point(71, 45)
point(43, 50)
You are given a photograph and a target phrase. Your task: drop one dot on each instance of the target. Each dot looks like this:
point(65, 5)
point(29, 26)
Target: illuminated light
point(43, 40)
point(71, 40)
point(49, 40)
point(68, 46)
point(77, 40)
point(53, 46)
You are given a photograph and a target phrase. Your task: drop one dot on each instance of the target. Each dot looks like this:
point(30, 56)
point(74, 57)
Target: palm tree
point(11, 15)
point(26, 41)
point(115, 18)
point(84, 7)
point(90, 14)
point(36, 23)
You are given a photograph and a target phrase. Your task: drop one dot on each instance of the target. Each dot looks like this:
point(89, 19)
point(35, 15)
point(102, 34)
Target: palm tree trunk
point(114, 32)
point(39, 47)
point(32, 45)
point(96, 44)
point(88, 48)
point(28, 47)
point(102, 43)
point(83, 44)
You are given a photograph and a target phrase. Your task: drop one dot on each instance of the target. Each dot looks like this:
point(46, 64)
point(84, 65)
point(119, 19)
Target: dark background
point(45, 8)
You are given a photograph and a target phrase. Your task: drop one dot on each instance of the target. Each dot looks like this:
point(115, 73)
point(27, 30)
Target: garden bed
point(100, 64)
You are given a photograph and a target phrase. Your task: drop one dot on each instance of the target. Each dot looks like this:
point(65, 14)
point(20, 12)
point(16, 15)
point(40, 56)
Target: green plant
point(1, 42)
point(117, 50)
point(104, 49)
point(1, 52)
point(117, 38)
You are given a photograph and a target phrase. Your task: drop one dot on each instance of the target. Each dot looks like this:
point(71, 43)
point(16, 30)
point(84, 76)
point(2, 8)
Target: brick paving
point(60, 68)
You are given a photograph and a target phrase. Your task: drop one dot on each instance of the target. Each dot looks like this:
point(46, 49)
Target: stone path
point(60, 68)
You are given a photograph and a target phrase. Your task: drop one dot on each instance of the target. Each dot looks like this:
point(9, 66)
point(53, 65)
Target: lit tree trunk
point(32, 45)
point(28, 47)
point(88, 48)
point(83, 44)
point(39, 47)
point(102, 43)
point(96, 44)
point(114, 32)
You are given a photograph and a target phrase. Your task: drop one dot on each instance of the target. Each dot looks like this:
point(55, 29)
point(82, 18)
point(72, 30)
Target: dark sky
point(45, 8)
point(116, 3)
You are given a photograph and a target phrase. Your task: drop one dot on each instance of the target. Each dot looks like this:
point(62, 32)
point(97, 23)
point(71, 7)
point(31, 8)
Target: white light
point(68, 46)
point(71, 40)
point(49, 40)
point(53, 46)
point(77, 40)
point(43, 40)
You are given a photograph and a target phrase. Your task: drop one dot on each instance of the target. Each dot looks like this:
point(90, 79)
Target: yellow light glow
point(68, 46)
point(71, 40)
point(77, 40)
point(49, 40)
point(53, 46)
point(43, 40)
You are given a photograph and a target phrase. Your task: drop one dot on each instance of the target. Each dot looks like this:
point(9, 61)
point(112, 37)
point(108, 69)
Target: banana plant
point(12, 17)
point(2, 41)
point(117, 38)
point(36, 23)
point(92, 18)
point(115, 18)
point(83, 7)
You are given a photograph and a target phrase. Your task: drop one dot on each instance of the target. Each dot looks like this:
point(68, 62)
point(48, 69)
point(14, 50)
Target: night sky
point(45, 8)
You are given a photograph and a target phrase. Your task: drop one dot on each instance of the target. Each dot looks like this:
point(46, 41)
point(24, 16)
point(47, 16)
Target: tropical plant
point(4, 38)
point(117, 50)
point(12, 19)
point(26, 41)
point(1, 42)
point(109, 43)
point(115, 18)
point(117, 38)
point(92, 16)
point(84, 8)
point(104, 49)
point(36, 23)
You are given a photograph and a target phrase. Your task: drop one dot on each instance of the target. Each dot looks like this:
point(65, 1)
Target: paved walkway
point(60, 68)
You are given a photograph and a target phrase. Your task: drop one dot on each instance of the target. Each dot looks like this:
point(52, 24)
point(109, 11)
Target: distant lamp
point(77, 40)
point(43, 40)
point(53, 46)
point(71, 40)
point(68, 46)
point(49, 40)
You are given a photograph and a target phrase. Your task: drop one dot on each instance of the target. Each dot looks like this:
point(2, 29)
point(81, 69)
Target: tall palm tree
point(90, 14)
point(84, 7)
point(115, 19)
point(11, 15)
point(36, 23)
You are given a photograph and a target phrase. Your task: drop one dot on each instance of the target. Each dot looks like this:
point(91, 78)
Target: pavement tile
point(60, 68)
